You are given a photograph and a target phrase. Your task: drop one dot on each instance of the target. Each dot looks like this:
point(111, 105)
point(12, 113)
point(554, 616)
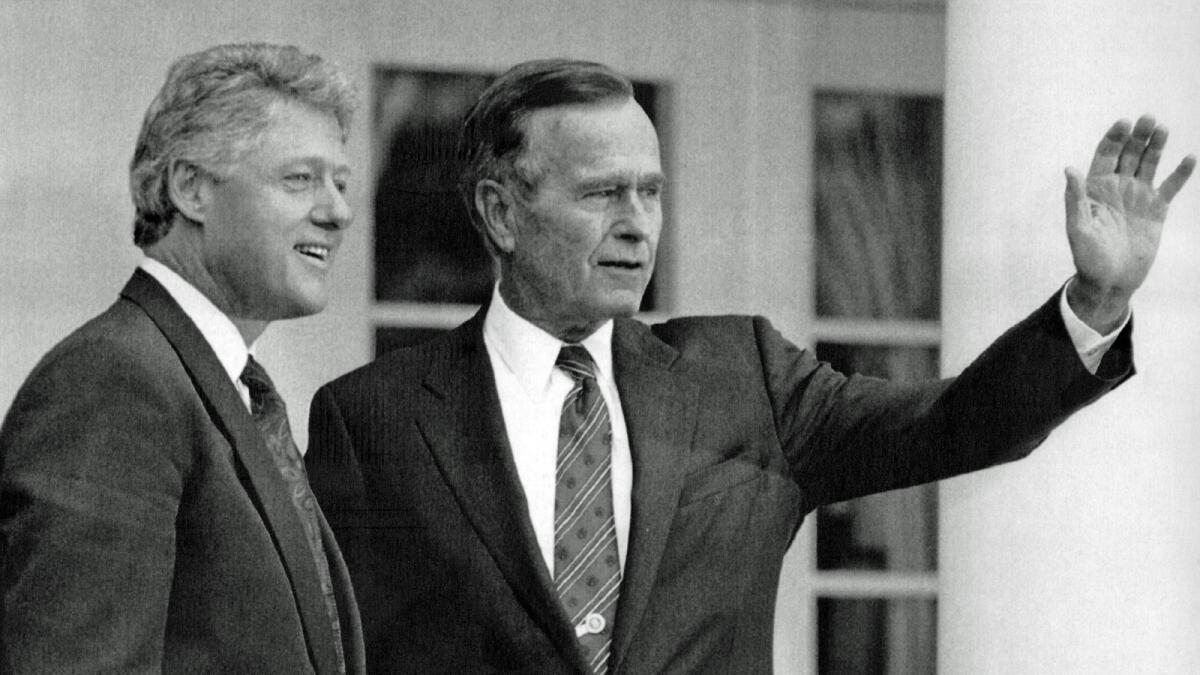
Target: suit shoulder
point(731, 338)
point(706, 326)
point(105, 387)
point(117, 341)
point(405, 366)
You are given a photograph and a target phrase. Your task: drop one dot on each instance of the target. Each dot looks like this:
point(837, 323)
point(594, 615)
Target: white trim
point(875, 584)
point(878, 332)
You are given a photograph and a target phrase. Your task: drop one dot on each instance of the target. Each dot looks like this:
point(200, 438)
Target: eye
point(299, 180)
point(603, 194)
point(652, 190)
point(341, 185)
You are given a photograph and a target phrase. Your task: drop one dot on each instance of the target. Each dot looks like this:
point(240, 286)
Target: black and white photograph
point(628, 337)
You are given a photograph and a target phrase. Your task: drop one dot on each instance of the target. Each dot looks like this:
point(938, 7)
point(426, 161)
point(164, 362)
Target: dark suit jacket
point(143, 524)
point(735, 433)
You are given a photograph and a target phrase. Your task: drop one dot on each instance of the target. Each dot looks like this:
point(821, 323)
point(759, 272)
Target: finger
point(1149, 164)
point(1075, 197)
point(1109, 151)
point(1174, 183)
point(1131, 154)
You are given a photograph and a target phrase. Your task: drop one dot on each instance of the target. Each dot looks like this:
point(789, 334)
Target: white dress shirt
point(1091, 345)
point(218, 330)
point(532, 390)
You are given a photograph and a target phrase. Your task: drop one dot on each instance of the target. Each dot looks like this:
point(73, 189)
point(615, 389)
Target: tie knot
point(263, 396)
point(255, 377)
point(577, 362)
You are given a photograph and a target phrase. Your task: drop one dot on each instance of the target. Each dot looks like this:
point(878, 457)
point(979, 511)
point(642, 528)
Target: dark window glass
point(876, 636)
point(878, 173)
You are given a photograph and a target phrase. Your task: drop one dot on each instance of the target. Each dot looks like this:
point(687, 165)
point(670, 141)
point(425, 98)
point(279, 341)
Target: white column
point(1084, 558)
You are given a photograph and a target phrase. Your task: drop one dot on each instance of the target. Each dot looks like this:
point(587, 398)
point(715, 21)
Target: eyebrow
point(654, 178)
point(316, 160)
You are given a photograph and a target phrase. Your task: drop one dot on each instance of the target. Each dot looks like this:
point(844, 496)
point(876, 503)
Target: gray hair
point(214, 107)
point(493, 136)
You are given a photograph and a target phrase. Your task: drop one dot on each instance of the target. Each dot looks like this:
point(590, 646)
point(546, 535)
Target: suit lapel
point(264, 483)
point(659, 406)
point(463, 426)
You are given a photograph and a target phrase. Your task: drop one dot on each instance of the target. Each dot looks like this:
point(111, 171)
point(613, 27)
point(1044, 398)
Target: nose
point(331, 209)
point(639, 219)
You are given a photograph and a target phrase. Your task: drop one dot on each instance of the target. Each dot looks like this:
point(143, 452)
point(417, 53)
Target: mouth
point(621, 264)
point(315, 252)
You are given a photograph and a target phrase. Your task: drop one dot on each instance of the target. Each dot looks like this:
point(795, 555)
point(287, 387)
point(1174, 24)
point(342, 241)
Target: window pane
point(425, 247)
point(891, 531)
point(878, 205)
point(876, 636)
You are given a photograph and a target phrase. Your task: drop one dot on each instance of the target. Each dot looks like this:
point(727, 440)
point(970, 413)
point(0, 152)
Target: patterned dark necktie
point(271, 417)
point(587, 571)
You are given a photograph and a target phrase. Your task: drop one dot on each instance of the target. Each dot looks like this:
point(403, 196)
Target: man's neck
point(567, 330)
point(195, 274)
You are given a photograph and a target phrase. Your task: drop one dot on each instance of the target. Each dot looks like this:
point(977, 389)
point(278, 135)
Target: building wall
point(1084, 558)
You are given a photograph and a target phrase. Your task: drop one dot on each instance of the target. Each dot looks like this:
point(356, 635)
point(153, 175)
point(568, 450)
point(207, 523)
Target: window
point(878, 237)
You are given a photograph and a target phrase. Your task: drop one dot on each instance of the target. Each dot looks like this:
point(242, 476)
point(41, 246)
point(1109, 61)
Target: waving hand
point(1115, 217)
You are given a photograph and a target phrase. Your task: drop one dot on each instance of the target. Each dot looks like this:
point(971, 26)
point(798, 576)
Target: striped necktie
point(587, 570)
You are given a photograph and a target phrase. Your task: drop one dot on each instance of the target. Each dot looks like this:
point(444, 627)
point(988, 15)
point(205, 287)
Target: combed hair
point(493, 138)
point(215, 106)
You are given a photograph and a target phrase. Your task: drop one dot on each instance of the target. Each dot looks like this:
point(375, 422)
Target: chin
point(621, 305)
point(301, 305)
point(312, 307)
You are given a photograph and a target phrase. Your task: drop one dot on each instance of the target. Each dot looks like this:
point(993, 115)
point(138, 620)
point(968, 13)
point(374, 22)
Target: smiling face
point(584, 242)
point(273, 222)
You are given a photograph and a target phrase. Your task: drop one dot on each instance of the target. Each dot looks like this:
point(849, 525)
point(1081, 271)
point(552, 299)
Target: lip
point(316, 253)
point(622, 265)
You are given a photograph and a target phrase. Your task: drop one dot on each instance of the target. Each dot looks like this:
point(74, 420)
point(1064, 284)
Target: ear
point(187, 186)
point(496, 206)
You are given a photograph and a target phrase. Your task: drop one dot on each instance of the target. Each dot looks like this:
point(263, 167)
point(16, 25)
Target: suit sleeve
point(845, 437)
point(90, 488)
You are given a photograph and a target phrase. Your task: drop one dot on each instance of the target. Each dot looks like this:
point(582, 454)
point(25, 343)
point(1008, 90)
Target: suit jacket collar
point(462, 423)
point(217, 328)
point(262, 479)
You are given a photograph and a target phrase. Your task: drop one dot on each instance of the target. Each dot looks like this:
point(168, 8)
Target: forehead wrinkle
point(303, 135)
point(587, 134)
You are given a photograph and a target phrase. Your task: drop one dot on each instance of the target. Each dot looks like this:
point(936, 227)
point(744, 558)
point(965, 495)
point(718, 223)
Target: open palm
point(1115, 215)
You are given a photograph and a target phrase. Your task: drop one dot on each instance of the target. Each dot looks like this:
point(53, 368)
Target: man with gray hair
point(156, 514)
point(556, 487)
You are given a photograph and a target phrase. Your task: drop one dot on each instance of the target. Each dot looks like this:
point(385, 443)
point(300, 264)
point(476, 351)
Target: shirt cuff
point(1090, 345)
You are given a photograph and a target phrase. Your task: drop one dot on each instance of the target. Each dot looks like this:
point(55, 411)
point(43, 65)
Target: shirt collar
point(217, 328)
point(529, 352)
